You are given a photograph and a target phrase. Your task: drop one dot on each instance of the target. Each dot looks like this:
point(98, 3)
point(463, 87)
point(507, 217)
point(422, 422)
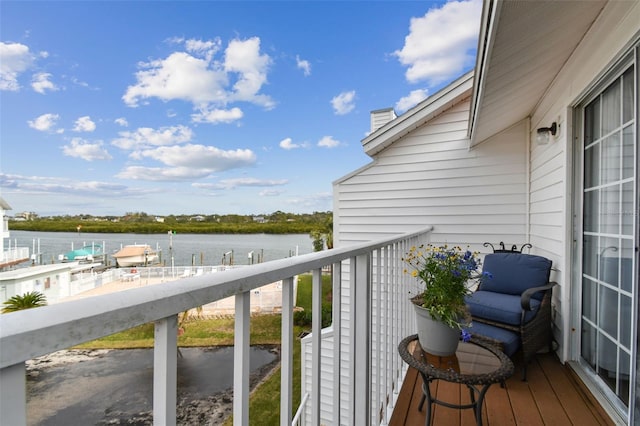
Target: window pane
point(611, 159)
point(626, 265)
point(589, 299)
point(611, 118)
point(607, 360)
point(592, 122)
point(609, 261)
point(588, 344)
point(627, 95)
point(609, 311)
point(592, 166)
point(590, 256)
point(623, 377)
point(628, 153)
point(625, 321)
point(610, 210)
point(627, 207)
point(591, 202)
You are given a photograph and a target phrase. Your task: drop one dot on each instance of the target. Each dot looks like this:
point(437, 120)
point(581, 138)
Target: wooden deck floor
point(552, 395)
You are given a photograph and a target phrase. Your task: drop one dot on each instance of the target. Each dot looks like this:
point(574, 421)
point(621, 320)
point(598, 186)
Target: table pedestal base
point(476, 404)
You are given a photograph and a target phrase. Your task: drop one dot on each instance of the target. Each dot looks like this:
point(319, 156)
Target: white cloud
point(344, 102)
point(441, 43)
point(216, 116)
point(160, 174)
point(304, 65)
point(79, 148)
point(205, 49)
point(201, 157)
point(179, 76)
point(40, 82)
point(63, 186)
point(243, 57)
point(288, 144)
point(80, 83)
point(323, 199)
point(187, 162)
point(45, 123)
point(270, 192)
point(196, 76)
point(328, 142)
point(33, 192)
point(121, 122)
point(411, 100)
point(145, 137)
point(238, 182)
point(84, 124)
point(15, 58)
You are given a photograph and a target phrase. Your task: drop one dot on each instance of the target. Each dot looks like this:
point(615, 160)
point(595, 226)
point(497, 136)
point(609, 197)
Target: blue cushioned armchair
point(515, 294)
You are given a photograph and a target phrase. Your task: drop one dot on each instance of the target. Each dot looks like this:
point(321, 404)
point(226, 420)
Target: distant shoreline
point(164, 229)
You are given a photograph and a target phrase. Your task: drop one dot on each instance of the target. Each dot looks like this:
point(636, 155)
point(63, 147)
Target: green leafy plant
point(32, 299)
point(446, 273)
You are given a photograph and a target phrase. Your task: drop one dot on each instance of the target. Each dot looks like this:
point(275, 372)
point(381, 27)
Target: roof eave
point(423, 112)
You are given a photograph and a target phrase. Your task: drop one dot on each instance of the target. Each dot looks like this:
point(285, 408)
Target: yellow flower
point(414, 273)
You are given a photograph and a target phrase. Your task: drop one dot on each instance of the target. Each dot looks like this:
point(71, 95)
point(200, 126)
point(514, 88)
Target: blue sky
point(209, 107)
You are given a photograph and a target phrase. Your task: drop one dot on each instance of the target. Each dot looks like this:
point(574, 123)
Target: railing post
point(13, 395)
point(361, 351)
point(316, 348)
point(165, 371)
point(286, 354)
point(337, 339)
point(241, 360)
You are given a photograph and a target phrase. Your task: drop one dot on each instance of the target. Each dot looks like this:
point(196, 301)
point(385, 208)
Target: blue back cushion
point(513, 273)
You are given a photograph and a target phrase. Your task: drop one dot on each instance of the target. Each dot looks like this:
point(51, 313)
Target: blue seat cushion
point(513, 273)
point(510, 340)
point(499, 307)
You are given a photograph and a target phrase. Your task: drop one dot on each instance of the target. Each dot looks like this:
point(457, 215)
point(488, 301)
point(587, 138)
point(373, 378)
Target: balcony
point(357, 355)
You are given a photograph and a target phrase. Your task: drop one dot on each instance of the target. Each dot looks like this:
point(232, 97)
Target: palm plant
point(322, 235)
point(32, 299)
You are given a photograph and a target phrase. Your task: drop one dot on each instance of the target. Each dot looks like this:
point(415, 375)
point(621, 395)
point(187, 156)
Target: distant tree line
point(142, 223)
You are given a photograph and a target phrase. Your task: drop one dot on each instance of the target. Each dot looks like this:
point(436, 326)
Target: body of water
point(116, 387)
point(186, 249)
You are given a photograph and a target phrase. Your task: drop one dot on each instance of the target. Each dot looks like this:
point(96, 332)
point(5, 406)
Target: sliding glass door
point(609, 261)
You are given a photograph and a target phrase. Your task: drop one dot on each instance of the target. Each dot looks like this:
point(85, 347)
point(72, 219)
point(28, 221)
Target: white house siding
point(326, 377)
point(430, 177)
point(551, 165)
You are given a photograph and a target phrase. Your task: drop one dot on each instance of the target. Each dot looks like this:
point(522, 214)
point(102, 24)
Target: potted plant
point(441, 312)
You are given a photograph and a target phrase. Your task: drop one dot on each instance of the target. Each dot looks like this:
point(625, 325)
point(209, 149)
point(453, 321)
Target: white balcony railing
point(14, 254)
point(374, 303)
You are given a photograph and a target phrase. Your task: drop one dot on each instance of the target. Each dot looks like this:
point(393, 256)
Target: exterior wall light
point(544, 134)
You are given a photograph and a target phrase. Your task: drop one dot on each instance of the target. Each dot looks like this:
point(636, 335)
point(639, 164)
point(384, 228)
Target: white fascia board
point(490, 12)
point(417, 116)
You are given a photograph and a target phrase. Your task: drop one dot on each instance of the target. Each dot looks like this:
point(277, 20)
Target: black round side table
point(476, 364)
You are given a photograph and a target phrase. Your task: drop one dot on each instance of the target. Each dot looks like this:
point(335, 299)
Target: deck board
point(550, 396)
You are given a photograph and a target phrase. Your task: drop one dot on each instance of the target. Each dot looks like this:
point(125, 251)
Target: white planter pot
point(434, 336)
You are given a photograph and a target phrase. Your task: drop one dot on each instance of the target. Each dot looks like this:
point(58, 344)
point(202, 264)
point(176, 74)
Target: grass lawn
point(264, 404)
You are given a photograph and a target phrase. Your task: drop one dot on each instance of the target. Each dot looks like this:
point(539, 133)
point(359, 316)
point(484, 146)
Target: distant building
point(9, 256)
point(26, 215)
